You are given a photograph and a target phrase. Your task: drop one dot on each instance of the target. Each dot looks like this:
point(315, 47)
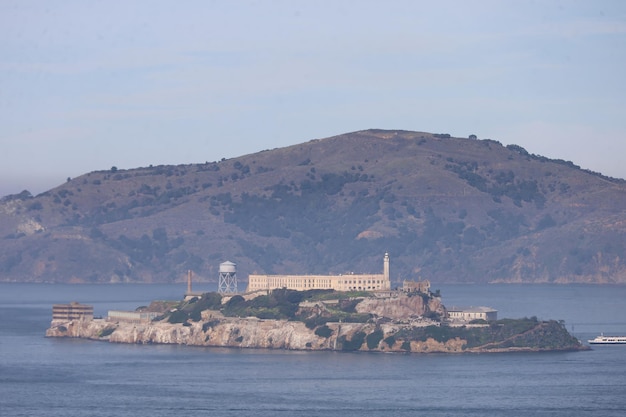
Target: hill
point(446, 209)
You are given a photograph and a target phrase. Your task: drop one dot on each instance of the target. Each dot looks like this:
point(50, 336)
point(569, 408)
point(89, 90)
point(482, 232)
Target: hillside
point(446, 209)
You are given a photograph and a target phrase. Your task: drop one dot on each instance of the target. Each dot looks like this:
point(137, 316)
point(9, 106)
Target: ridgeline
point(460, 210)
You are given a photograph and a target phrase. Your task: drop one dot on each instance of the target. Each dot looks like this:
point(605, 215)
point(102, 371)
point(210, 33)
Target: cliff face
point(402, 307)
point(242, 333)
point(291, 335)
point(396, 322)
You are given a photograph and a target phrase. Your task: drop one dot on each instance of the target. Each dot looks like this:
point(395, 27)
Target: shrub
point(106, 331)
point(236, 306)
point(313, 322)
point(323, 331)
point(390, 341)
point(35, 206)
point(178, 316)
point(209, 325)
point(349, 306)
point(195, 315)
point(355, 343)
point(374, 338)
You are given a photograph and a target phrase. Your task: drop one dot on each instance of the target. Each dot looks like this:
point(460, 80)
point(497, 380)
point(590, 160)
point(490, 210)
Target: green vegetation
point(526, 333)
point(374, 338)
point(499, 184)
point(390, 341)
point(178, 316)
point(353, 344)
point(193, 308)
point(280, 304)
point(317, 212)
point(323, 331)
point(107, 331)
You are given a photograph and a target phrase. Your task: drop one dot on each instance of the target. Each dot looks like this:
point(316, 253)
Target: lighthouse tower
point(386, 271)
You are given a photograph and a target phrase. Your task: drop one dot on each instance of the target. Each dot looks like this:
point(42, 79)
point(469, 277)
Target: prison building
point(347, 282)
point(72, 311)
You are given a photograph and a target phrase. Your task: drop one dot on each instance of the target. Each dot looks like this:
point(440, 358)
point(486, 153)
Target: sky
point(88, 85)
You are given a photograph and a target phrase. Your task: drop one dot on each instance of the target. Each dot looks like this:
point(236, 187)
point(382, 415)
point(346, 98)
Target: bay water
point(69, 377)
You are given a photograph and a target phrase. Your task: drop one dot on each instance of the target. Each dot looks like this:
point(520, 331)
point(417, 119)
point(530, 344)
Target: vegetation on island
point(280, 304)
point(498, 334)
point(339, 307)
point(325, 320)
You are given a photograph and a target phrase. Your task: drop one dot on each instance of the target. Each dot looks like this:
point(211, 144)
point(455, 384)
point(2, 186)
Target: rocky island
point(390, 321)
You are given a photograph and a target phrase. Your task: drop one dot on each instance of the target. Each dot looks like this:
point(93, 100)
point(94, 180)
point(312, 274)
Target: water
point(69, 377)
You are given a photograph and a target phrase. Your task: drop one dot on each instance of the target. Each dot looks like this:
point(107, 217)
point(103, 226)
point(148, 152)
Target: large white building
point(348, 282)
point(467, 314)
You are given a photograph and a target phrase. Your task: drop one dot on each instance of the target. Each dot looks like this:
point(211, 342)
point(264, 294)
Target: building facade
point(466, 314)
point(132, 316)
point(416, 286)
point(348, 282)
point(72, 311)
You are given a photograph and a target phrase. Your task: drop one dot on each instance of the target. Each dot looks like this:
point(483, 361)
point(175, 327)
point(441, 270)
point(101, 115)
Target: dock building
point(342, 282)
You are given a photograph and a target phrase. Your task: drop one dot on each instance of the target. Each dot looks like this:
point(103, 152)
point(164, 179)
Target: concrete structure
point(228, 278)
point(132, 316)
point(467, 314)
point(349, 282)
point(72, 311)
point(190, 293)
point(416, 286)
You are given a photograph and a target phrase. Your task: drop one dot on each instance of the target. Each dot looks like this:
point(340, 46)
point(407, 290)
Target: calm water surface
point(59, 377)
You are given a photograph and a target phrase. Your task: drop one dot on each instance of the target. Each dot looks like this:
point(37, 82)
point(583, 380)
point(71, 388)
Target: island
point(412, 321)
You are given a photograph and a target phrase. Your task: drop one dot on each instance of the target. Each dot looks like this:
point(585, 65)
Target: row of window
point(340, 284)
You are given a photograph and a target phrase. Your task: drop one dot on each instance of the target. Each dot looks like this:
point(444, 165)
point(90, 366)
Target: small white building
point(467, 314)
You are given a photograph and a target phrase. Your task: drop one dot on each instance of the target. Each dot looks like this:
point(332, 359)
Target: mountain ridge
point(447, 209)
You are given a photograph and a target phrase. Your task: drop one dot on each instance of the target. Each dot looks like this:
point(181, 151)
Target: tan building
point(348, 282)
point(466, 314)
point(416, 286)
point(72, 311)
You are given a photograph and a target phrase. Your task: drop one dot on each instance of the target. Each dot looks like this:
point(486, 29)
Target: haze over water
point(63, 377)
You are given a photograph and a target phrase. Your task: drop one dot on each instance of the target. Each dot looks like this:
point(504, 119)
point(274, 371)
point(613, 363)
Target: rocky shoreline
point(390, 331)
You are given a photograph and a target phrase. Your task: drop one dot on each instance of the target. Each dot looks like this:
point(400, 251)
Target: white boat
point(608, 340)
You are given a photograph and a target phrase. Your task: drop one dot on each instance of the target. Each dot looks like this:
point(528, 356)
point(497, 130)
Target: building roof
point(480, 309)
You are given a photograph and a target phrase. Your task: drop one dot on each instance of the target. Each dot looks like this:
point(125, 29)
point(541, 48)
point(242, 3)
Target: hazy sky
point(87, 85)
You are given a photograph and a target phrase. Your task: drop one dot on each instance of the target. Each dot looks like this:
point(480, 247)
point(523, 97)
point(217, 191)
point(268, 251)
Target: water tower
point(228, 278)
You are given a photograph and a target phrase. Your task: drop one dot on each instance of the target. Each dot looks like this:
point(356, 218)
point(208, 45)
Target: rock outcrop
point(385, 323)
point(402, 307)
point(292, 335)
